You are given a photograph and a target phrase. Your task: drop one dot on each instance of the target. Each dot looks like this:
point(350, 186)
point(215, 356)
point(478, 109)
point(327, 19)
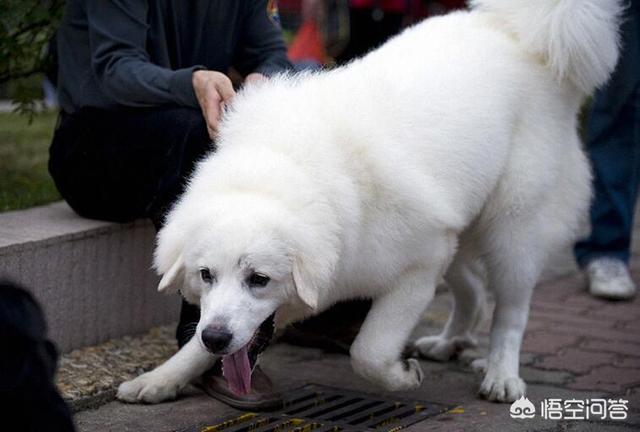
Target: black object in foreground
point(29, 399)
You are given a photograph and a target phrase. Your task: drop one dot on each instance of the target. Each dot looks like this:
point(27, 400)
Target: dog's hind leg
point(164, 382)
point(466, 279)
point(376, 351)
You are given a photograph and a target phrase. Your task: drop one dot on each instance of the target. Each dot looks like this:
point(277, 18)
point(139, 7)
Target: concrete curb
point(93, 278)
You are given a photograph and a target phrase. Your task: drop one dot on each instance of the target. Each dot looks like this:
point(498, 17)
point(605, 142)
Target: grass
point(24, 152)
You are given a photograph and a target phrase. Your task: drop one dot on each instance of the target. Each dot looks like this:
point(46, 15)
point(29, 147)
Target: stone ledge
point(92, 278)
point(43, 225)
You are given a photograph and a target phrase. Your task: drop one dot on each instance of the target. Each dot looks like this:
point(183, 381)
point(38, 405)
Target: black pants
point(368, 33)
point(121, 165)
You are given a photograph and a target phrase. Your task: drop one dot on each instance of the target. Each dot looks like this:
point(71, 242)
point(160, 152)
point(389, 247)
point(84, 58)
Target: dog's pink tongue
point(237, 371)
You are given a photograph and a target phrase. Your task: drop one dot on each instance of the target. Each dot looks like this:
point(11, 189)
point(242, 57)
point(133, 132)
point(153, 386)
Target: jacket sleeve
point(123, 70)
point(261, 47)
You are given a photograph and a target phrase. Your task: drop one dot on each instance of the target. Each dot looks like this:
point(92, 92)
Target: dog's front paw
point(399, 375)
point(441, 348)
point(497, 387)
point(151, 387)
point(411, 376)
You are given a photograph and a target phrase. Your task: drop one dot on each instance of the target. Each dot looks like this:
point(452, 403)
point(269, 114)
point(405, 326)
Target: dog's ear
point(173, 278)
point(305, 284)
point(314, 260)
point(168, 259)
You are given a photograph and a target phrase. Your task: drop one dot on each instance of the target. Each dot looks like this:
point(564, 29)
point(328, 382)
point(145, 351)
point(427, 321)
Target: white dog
point(453, 143)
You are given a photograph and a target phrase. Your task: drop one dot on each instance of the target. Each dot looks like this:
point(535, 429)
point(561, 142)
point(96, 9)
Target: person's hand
point(213, 90)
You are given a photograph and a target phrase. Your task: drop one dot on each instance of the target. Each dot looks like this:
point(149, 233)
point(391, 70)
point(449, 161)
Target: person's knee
point(190, 122)
point(190, 137)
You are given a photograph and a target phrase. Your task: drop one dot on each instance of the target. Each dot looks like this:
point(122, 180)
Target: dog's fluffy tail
point(578, 39)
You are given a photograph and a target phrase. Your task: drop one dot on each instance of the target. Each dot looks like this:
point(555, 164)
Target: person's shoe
point(333, 330)
point(262, 397)
point(609, 278)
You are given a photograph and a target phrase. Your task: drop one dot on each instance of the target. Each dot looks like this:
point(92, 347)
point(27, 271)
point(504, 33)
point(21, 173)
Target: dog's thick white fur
point(454, 145)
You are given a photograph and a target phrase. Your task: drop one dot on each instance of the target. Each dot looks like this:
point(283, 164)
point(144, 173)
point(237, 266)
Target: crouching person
point(141, 86)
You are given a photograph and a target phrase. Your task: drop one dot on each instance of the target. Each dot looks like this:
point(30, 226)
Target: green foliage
point(24, 178)
point(26, 26)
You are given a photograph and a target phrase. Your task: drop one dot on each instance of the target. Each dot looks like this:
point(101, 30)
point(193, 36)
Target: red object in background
point(308, 45)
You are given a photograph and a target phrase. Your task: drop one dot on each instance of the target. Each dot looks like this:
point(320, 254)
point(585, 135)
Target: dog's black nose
point(215, 338)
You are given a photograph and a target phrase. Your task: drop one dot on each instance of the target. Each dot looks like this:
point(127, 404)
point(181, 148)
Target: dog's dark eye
point(258, 279)
point(206, 276)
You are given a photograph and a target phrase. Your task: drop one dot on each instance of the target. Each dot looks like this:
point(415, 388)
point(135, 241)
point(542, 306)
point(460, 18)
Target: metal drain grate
point(321, 409)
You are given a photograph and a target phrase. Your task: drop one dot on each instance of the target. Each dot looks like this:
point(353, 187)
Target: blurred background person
point(371, 23)
point(613, 145)
point(327, 32)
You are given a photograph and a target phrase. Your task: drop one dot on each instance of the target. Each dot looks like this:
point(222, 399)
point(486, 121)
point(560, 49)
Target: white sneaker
point(609, 278)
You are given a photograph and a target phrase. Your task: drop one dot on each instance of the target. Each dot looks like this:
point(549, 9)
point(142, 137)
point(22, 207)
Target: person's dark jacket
point(139, 53)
